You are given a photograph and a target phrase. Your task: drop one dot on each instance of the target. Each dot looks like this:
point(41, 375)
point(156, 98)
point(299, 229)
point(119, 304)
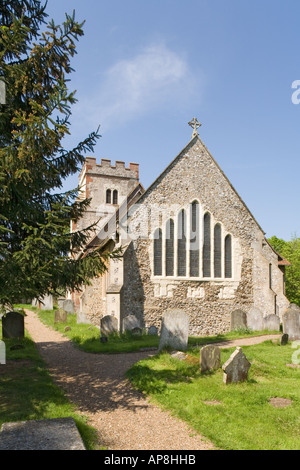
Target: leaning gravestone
point(60, 316)
point(291, 323)
point(255, 320)
point(210, 358)
point(271, 323)
point(108, 324)
point(174, 330)
point(13, 325)
point(236, 368)
point(130, 323)
point(238, 319)
point(68, 306)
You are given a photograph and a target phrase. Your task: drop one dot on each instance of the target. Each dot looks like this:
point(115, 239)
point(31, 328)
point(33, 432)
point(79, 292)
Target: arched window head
point(108, 196)
point(115, 197)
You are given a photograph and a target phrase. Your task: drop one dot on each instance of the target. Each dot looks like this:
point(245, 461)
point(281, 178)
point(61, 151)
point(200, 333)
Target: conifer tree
point(38, 254)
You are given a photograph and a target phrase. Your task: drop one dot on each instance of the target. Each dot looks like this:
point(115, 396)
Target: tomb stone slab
point(255, 320)
point(271, 323)
point(210, 358)
point(174, 330)
point(108, 325)
point(291, 323)
point(236, 368)
point(238, 320)
point(13, 325)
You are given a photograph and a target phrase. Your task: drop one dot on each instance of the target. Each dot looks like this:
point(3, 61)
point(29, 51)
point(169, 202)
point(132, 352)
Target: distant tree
point(38, 254)
point(291, 251)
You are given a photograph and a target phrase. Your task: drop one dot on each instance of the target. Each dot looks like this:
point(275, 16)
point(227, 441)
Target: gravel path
point(95, 383)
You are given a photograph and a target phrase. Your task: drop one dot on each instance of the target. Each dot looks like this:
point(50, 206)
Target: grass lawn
point(235, 416)
point(27, 391)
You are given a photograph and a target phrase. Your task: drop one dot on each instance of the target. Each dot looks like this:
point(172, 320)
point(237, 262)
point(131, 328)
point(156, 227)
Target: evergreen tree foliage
point(38, 254)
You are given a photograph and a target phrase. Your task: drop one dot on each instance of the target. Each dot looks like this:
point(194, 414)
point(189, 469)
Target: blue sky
point(144, 69)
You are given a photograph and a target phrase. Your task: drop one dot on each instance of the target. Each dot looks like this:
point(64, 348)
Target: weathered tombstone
point(174, 330)
point(82, 318)
point(284, 339)
point(2, 353)
point(60, 316)
point(291, 323)
point(238, 319)
point(152, 330)
point(236, 368)
point(13, 325)
point(137, 331)
point(271, 323)
point(255, 320)
point(68, 306)
point(108, 324)
point(47, 302)
point(130, 322)
point(210, 358)
point(60, 302)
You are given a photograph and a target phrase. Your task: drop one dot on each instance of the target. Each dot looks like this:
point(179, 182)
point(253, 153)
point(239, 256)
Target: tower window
point(115, 197)
point(108, 196)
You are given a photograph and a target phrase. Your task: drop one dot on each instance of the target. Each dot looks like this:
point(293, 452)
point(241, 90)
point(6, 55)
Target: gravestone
point(130, 322)
point(82, 318)
point(210, 358)
point(60, 316)
point(48, 434)
point(68, 306)
point(47, 302)
point(255, 320)
point(2, 353)
point(238, 319)
point(174, 330)
point(60, 302)
point(291, 323)
point(137, 331)
point(13, 325)
point(35, 303)
point(108, 324)
point(284, 339)
point(271, 323)
point(236, 368)
point(152, 330)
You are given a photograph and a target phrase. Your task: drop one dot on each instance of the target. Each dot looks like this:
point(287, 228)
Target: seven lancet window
point(192, 248)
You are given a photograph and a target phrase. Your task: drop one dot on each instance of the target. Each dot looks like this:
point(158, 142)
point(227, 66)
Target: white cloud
point(132, 87)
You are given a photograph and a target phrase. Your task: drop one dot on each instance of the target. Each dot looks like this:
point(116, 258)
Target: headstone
point(68, 306)
point(130, 322)
point(48, 434)
point(236, 368)
point(60, 316)
point(108, 324)
point(152, 330)
point(35, 303)
point(174, 330)
point(13, 325)
point(238, 319)
point(271, 323)
point(47, 302)
point(2, 353)
point(60, 302)
point(284, 339)
point(255, 320)
point(137, 331)
point(210, 358)
point(291, 323)
point(81, 318)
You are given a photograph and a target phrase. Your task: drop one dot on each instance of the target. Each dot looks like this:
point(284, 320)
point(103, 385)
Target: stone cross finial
point(195, 124)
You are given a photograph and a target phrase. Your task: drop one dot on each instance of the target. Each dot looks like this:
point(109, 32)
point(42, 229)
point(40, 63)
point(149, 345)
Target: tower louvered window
point(170, 248)
point(158, 252)
point(228, 256)
point(181, 253)
point(217, 251)
point(194, 240)
point(206, 246)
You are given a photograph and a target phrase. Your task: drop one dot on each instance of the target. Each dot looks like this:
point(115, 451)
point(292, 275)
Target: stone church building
point(188, 241)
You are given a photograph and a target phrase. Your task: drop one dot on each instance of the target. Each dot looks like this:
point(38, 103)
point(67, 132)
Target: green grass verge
point(244, 419)
point(27, 391)
point(87, 337)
